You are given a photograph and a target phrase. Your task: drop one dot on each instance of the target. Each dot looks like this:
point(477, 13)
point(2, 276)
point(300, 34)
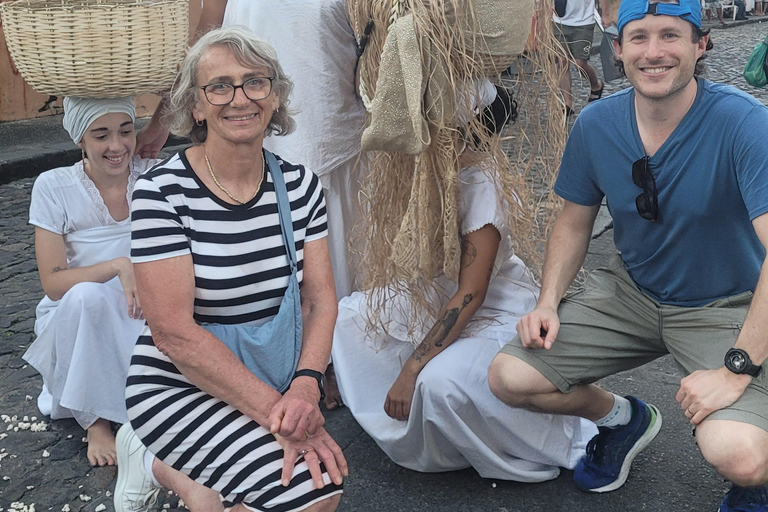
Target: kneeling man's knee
point(512, 380)
point(738, 451)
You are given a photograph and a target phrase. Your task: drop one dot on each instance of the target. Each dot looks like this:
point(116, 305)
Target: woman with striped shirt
point(223, 235)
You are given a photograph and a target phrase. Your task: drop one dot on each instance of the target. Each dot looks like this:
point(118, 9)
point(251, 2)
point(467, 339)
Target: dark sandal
point(596, 95)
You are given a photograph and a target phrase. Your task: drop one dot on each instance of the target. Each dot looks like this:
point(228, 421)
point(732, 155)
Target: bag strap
point(283, 208)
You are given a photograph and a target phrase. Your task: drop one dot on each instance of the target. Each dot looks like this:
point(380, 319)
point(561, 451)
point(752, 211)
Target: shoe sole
point(122, 462)
point(641, 443)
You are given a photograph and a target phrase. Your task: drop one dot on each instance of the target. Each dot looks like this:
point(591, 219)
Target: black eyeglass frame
point(647, 203)
point(236, 87)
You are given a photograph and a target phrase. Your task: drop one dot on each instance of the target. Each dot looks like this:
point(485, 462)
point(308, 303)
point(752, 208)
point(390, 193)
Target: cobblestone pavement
point(43, 464)
point(725, 62)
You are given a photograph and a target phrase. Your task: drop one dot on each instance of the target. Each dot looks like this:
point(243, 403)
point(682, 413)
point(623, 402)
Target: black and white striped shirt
point(240, 262)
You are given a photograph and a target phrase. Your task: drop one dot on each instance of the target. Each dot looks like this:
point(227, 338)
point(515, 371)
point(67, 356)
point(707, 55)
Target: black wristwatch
point(318, 376)
point(739, 362)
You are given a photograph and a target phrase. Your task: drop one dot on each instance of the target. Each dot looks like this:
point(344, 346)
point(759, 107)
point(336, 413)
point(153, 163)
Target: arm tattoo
point(468, 253)
point(437, 335)
point(56, 269)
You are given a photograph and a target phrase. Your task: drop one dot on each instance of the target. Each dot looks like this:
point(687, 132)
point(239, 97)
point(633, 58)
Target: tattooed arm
point(478, 253)
point(57, 278)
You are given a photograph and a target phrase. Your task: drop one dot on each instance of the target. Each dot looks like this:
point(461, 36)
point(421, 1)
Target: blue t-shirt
point(712, 179)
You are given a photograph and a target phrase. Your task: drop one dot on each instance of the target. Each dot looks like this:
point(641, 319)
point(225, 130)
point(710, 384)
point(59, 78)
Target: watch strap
point(318, 376)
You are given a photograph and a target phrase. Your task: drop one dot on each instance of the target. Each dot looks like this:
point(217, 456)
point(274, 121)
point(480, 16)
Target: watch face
point(738, 361)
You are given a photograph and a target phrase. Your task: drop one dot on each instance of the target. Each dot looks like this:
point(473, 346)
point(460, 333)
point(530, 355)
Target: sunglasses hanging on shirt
point(647, 202)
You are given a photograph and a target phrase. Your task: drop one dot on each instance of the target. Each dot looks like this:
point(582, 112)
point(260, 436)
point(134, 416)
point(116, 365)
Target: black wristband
point(318, 376)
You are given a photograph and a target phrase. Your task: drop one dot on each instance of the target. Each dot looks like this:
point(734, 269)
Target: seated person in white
point(90, 317)
point(430, 409)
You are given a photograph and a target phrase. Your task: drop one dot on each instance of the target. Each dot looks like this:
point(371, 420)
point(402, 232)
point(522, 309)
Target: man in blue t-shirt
point(683, 167)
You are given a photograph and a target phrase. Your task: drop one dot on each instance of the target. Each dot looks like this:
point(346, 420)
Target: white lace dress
point(455, 421)
point(85, 339)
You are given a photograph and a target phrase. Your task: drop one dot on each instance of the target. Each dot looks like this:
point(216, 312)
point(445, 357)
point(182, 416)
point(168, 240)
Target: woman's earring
point(85, 157)
point(198, 122)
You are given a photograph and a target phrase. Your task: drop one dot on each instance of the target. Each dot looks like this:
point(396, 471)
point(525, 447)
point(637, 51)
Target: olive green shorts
point(609, 326)
point(577, 40)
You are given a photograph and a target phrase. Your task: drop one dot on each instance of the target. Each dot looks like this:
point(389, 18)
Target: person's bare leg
point(332, 395)
point(327, 505)
point(199, 498)
point(720, 15)
point(518, 384)
point(738, 451)
point(594, 82)
point(709, 14)
point(101, 444)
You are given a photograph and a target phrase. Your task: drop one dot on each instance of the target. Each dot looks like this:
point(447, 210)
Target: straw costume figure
point(442, 207)
point(418, 63)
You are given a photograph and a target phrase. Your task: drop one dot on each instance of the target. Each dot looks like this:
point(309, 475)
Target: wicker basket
point(96, 48)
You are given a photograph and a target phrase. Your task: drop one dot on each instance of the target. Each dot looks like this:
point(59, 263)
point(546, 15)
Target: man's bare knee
point(738, 451)
point(515, 382)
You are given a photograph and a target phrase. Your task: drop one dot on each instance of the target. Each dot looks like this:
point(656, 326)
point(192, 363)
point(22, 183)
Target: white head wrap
point(481, 93)
point(79, 113)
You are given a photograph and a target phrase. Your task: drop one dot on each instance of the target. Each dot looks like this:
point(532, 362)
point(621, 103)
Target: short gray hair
point(250, 51)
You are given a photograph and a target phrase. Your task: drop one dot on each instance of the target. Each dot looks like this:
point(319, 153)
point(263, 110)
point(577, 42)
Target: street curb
point(25, 164)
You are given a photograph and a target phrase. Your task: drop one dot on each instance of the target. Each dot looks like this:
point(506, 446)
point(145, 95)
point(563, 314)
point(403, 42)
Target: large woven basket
point(96, 48)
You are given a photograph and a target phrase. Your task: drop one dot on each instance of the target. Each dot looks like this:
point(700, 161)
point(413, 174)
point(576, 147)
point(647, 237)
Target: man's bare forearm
point(754, 334)
point(566, 251)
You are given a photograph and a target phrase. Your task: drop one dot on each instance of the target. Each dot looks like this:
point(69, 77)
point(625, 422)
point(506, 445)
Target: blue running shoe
point(745, 499)
point(605, 467)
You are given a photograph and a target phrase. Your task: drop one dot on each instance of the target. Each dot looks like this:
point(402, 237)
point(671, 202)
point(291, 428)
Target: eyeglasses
point(647, 202)
point(255, 89)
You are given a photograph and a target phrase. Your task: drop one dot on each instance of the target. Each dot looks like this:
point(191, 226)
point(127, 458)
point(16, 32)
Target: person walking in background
point(717, 6)
point(574, 28)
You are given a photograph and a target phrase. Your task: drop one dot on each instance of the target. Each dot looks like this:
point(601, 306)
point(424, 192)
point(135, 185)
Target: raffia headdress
point(418, 60)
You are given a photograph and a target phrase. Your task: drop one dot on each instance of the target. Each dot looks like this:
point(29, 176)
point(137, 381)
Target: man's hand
point(316, 449)
point(706, 391)
point(150, 140)
point(400, 395)
point(297, 414)
point(539, 328)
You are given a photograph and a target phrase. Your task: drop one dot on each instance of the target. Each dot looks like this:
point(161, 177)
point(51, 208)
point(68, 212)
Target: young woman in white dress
point(90, 317)
point(424, 397)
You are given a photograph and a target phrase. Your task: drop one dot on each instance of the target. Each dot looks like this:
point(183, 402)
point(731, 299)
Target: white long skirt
point(83, 350)
point(455, 421)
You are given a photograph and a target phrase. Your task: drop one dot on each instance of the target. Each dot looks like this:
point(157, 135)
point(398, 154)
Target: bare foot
point(332, 395)
point(101, 444)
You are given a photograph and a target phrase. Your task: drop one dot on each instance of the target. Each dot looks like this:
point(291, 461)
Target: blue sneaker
point(745, 499)
point(605, 467)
